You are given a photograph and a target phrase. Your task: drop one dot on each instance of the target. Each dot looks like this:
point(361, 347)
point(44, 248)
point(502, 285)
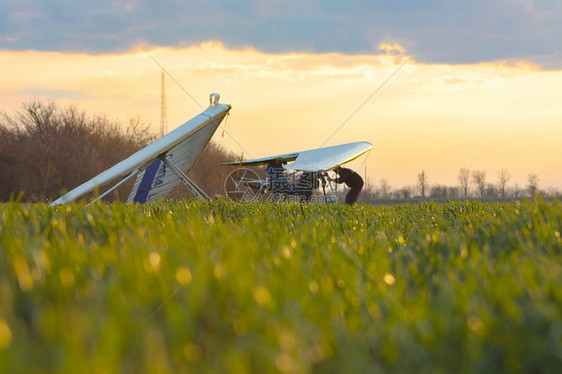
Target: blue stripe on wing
point(146, 183)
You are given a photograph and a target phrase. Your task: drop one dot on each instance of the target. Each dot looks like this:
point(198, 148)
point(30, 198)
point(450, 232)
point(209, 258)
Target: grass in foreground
point(221, 287)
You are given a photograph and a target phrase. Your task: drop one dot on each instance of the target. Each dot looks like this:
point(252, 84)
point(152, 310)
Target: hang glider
point(314, 160)
point(163, 164)
point(312, 165)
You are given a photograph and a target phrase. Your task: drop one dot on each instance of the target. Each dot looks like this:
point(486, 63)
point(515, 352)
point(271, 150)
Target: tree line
point(471, 183)
point(46, 150)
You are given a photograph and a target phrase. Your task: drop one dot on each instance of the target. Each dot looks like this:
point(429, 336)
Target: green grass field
point(221, 287)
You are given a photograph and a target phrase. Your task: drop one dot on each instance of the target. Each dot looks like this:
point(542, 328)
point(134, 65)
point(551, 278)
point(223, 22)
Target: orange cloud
point(389, 48)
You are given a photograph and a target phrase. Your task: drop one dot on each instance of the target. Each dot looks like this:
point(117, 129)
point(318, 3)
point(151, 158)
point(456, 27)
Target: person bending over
point(352, 180)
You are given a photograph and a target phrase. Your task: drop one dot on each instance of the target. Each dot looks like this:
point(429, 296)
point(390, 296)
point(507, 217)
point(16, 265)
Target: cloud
point(443, 31)
point(55, 94)
point(392, 48)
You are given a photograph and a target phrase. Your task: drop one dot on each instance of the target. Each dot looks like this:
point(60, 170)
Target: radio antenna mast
point(163, 110)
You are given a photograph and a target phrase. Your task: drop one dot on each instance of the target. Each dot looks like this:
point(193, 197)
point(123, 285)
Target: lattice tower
point(163, 110)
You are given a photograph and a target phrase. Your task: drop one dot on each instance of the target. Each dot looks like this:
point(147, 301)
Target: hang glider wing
point(328, 158)
point(265, 160)
point(184, 145)
point(157, 181)
point(321, 159)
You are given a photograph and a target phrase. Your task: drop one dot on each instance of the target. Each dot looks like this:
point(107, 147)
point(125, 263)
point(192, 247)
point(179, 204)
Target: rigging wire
point(366, 101)
point(174, 79)
point(196, 102)
point(365, 167)
point(236, 141)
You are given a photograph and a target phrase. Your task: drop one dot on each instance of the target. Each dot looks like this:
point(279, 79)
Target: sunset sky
point(481, 89)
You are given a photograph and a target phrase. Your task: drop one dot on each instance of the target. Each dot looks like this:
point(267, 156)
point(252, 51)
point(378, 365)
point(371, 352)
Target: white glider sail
point(158, 180)
point(162, 165)
point(321, 159)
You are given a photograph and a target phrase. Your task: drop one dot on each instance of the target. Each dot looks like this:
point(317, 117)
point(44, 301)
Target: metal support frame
point(334, 191)
point(262, 184)
point(114, 187)
point(191, 186)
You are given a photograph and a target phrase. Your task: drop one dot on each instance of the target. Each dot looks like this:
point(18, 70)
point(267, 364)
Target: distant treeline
point(46, 150)
point(472, 184)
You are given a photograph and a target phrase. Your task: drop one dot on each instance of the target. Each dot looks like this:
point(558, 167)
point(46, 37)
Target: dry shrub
point(46, 150)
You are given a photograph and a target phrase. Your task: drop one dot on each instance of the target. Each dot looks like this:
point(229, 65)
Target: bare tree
point(504, 177)
point(438, 191)
point(516, 190)
point(453, 191)
point(385, 189)
point(491, 190)
point(464, 179)
point(46, 149)
point(479, 179)
point(422, 182)
point(533, 184)
point(404, 193)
